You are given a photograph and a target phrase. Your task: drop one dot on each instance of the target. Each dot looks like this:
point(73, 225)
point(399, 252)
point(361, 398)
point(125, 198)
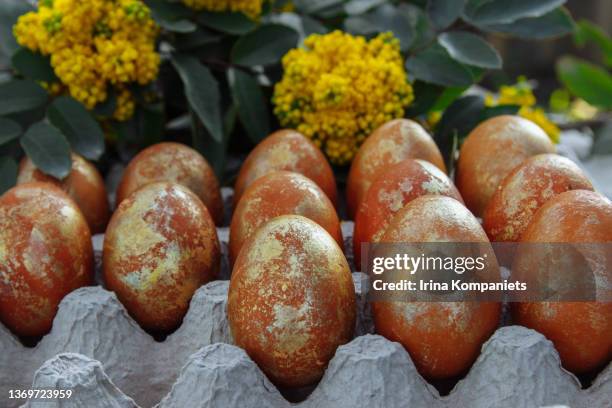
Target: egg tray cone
point(97, 350)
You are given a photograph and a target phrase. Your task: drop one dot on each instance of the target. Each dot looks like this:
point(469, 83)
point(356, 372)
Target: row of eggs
point(291, 300)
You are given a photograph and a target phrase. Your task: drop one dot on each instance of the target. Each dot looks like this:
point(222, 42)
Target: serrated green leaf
point(587, 81)
point(202, 92)
point(48, 149)
point(554, 24)
point(435, 66)
point(80, 128)
point(443, 13)
point(230, 23)
point(505, 12)
point(264, 46)
point(33, 65)
point(250, 103)
point(21, 95)
point(9, 130)
point(470, 49)
point(8, 173)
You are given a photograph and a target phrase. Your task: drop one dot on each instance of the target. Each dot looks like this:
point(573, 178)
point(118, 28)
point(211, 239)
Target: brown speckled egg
point(174, 163)
point(395, 187)
point(291, 300)
point(491, 151)
point(161, 245)
point(45, 253)
point(524, 191)
point(442, 338)
point(580, 331)
point(391, 143)
point(286, 150)
point(281, 193)
point(84, 184)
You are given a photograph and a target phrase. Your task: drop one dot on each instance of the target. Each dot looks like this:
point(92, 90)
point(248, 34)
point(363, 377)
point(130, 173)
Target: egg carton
point(96, 349)
point(99, 352)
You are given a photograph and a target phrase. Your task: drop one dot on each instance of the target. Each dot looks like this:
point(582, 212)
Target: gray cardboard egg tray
point(97, 350)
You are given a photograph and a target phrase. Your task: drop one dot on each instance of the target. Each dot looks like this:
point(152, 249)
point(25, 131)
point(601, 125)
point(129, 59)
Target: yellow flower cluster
point(94, 44)
point(522, 95)
point(338, 88)
point(251, 8)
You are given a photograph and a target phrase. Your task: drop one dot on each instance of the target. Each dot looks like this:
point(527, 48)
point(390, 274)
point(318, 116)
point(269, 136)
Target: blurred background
point(536, 59)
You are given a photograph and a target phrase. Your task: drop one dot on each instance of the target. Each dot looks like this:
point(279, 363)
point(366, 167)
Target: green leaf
point(470, 49)
point(385, 18)
point(107, 108)
point(9, 130)
point(587, 81)
point(229, 120)
point(21, 95)
point(316, 6)
point(250, 103)
point(458, 119)
point(554, 24)
point(230, 23)
point(587, 31)
point(425, 97)
point(152, 121)
point(424, 31)
point(266, 45)
point(356, 7)
point(79, 127)
point(499, 110)
point(8, 173)
point(434, 65)
point(331, 13)
point(448, 96)
point(48, 149)
point(202, 92)
point(506, 12)
point(443, 13)
point(171, 16)
point(179, 26)
point(144, 128)
point(196, 39)
point(290, 20)
point(312, 26)
point(215, 151)
point(33, 65)
point(10, 10)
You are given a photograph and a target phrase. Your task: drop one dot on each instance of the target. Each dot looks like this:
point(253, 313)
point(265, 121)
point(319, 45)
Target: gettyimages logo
point(446, 271)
